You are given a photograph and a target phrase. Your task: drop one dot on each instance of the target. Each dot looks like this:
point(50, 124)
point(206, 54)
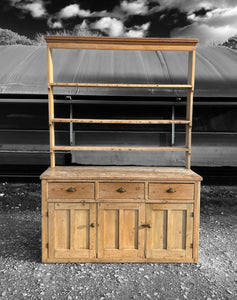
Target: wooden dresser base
point(120, 214)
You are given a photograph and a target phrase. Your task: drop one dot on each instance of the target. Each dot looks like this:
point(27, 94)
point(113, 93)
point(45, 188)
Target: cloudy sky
point(210, 21)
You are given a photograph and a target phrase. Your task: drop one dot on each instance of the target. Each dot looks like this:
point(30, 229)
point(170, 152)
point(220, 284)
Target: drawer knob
point(146, 225)
point(121, 190)
point(92, 225)
point(171, 190)
point(71, 189)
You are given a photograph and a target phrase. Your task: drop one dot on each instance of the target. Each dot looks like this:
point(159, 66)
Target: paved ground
point(23, 276)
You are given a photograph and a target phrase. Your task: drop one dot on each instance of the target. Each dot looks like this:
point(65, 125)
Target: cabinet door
point(171, 234)
point(120, 234)
point(72, 230)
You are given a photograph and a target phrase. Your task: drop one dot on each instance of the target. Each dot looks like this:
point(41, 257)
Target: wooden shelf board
point(110, 121)
point(120, 85)
point(116, 148)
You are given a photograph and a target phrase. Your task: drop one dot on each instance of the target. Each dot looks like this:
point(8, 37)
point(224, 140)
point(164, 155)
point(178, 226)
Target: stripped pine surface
point(115, 43)
point(139, 213)
point(120, 214)
point(107, 43)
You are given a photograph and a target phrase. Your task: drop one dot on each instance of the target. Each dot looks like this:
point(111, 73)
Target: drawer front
point(71, 190)
point(121, 190)
point(166, 191)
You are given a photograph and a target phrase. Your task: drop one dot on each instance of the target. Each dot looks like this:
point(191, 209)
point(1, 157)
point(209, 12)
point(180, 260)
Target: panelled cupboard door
point(72, 230)
point(120, 232)
point(171, 232)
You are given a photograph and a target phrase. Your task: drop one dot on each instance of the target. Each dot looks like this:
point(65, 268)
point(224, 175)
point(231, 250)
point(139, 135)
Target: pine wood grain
point(110, 121)
point(71, 234)
point(170, 235)
point(109, 190)
point(81, 190)
point(108, 43)
point(117, 43)
point(180, 191)
point(120, 85)
point(78, 173)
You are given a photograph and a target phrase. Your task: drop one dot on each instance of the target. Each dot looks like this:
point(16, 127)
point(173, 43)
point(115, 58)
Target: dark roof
point(24, 71)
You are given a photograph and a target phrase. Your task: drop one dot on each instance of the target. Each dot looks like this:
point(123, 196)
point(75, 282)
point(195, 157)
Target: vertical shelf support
point(51, 106)
point(173, 127)
point(189, 107)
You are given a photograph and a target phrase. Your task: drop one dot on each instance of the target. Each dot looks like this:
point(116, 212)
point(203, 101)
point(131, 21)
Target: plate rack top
point(120, 43)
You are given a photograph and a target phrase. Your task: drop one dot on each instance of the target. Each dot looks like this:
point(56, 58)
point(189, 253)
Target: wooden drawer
point(71, 190)
point(166, 191)
point(121, 190)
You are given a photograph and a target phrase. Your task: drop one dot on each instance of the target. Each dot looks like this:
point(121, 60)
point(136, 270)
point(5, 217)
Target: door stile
point(93, 230)
point(169, 229)
point(141, 231)
point(189, 231)
point(51, 221)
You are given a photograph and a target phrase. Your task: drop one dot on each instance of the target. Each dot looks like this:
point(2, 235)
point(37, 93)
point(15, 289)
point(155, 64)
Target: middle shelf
point(120, 85)
point(117, 121)
point(116, 148)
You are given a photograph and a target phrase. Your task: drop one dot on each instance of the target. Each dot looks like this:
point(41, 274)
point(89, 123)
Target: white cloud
point(114, 27)
point(73, 10)
point(138, 31)
point(222, 16)
point(54, 24)
point(194, 5)
point(216, 26)
point(206, 34)
point(109, 26)
point(217, 17)
point(36, 9)
point(138, 7)
point(135, 33)
point(57, 24)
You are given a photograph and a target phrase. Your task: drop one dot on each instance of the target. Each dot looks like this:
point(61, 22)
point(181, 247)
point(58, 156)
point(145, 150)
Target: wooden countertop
point(119, 172)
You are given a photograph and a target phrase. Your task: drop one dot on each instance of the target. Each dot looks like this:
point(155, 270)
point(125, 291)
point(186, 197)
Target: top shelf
point(120, 43)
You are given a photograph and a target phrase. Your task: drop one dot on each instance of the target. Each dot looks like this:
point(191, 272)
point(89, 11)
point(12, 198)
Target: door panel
point(159, 222)
point(70, 232)
point(129, 225)
point(111, 233)
point(62, 229)
point(80, 233)
point(171, 232)
point(120, 233)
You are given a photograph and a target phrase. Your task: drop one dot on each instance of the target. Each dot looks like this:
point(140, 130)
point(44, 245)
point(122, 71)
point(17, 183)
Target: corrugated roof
point(23, 70)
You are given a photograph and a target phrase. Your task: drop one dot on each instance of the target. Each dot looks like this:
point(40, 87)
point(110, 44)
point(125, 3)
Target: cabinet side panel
point(196, 221)
point(44, 220)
